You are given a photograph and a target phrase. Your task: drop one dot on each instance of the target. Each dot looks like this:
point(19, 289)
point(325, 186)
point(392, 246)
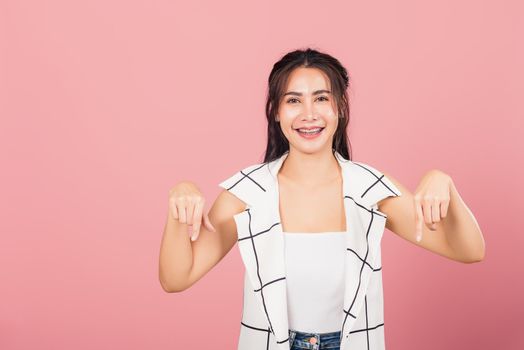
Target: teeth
point(310, 131)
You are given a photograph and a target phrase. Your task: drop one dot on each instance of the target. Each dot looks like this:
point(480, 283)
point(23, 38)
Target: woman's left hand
point(431, 199)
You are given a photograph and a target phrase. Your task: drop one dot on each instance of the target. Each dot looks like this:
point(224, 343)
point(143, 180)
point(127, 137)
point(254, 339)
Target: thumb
point(419, 220)
point(208, 224)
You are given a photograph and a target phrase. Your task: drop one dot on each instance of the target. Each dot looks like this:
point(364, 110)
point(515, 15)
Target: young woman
point(308, 221)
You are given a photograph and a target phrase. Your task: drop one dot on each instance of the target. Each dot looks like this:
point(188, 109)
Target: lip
point(312, 136)
point(310, 127)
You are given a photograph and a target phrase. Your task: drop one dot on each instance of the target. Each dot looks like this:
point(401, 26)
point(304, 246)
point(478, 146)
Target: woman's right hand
point(186, 204)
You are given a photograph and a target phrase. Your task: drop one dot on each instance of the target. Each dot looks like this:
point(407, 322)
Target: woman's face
point(307, 103)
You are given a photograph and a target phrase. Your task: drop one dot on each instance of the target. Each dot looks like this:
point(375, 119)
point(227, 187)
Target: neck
point(310, 169)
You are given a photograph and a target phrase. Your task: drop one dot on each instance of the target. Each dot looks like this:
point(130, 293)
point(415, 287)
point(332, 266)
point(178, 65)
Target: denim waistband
point(303, 340)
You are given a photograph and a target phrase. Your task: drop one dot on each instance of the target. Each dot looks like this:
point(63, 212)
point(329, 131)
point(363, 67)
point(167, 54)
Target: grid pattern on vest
point(255, 238)
point(363, 325)
point(364, 264)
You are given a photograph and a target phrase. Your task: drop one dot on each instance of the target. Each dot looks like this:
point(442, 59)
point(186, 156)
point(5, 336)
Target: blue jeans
point(314, 341)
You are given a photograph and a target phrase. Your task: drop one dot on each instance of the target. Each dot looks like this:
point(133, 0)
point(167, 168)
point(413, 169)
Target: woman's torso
point(316, 210)
point(315, 280)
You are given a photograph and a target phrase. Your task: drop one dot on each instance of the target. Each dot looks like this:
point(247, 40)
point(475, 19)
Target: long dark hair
point(277, 143)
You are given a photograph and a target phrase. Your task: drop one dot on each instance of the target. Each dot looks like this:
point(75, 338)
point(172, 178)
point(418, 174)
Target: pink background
point(105, 105)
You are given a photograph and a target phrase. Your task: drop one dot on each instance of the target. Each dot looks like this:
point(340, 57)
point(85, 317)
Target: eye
point(320, 98)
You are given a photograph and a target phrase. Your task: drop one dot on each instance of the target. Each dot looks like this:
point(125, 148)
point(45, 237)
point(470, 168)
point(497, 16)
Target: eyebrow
point(300, 94)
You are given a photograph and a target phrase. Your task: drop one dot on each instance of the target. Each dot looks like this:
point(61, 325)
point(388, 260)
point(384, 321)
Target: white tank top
point(315, 280)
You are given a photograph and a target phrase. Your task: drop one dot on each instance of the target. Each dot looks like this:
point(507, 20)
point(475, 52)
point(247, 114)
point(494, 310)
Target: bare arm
point(457, 236)
point(182, 261)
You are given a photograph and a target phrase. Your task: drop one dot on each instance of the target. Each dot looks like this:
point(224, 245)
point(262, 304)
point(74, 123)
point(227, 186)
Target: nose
point(310, 116)
point(309, 112)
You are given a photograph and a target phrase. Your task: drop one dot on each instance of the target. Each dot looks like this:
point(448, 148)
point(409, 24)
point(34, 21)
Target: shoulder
point(372, 183)
point(246, 183)
point(366, 169)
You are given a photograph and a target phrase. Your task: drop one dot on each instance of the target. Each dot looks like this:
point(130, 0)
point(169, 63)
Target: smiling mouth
point(308, 132)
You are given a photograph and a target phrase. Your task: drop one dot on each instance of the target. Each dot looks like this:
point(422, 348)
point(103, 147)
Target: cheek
point(286, 128)
point(333, 125)
point(330, 113)
point(288, 113)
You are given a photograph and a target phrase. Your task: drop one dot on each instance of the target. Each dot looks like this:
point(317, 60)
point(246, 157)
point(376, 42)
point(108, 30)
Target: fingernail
point(419, 238)
point(193, 237)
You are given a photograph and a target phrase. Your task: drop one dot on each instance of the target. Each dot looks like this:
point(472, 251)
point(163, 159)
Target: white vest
point(264, 324)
